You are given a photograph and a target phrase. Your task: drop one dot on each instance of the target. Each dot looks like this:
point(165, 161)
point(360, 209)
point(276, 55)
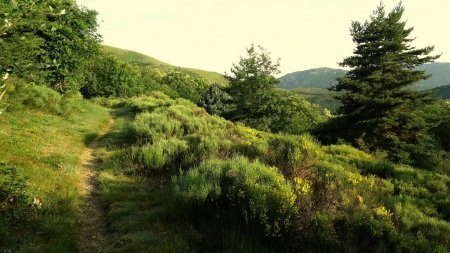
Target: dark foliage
point(378, 111)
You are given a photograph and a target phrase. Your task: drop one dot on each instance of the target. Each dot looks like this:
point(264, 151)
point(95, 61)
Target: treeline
point(47, 42)
point(110, 76)
point(56, 44)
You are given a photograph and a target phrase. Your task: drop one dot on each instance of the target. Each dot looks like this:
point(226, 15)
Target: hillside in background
point(324, 98)
point(326, 77)
point(145, 60)
point(320, 96)
point(200, 176)
point(442, 92)
point(312, 78)
point(440, 75)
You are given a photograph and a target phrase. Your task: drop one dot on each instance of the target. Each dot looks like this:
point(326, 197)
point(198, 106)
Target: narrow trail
point(90, 214)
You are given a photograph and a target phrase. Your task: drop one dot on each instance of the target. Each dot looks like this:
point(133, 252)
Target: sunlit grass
point(45, 148)
point(339, 189)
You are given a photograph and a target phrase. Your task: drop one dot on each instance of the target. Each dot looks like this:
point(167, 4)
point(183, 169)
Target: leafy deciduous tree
point(108, 76)
point(47, 41)
point(257, 102)
point(188, 85)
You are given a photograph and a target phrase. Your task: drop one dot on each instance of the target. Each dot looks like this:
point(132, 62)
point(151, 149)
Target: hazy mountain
point(440, 72)
point(326, 77)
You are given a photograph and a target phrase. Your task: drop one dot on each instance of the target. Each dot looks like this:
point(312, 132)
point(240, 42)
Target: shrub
point(380, 169)
point(201, 148)
point(187, 84)
point(44, 99)
point(149, 103)
point(155, 126)
point(261, 193)
point(14, 199)
point(337, 196)
point(35, 97)
point(213, 100)
point(410, 219)
point(360, 231)
point(234, 240)
point(293, 154)
point(163, 154)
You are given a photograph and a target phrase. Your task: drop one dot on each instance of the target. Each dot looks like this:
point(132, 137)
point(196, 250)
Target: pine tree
point(252, 84)
point(214, 99)
point(379, 110)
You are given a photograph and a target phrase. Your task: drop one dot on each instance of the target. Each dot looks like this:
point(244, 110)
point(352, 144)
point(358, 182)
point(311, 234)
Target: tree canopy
point(47, 41)
point(251, 86)
point(378, 111)
point(255, 100)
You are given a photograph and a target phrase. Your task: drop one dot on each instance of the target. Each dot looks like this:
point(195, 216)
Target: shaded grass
point(138, 215)
point(120, 134)
point(136, 207)
point(46, 148)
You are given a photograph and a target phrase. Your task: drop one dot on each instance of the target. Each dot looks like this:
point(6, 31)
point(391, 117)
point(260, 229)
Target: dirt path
point(91, 217)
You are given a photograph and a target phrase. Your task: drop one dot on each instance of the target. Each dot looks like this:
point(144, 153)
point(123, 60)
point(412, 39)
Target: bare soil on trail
point(91, 219)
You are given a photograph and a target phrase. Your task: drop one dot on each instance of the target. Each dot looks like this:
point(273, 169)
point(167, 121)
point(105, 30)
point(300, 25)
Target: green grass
point(137, 208)
point(213, 77)
point(144, 60)
point(346, 198)
point(45, 148)
point(138, 213)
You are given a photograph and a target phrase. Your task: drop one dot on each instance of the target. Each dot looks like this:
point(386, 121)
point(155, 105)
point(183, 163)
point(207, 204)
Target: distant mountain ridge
point(326, 77)
point(440, 75)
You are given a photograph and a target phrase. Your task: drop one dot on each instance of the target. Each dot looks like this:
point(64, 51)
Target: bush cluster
point(313, 198)
point(260, 192)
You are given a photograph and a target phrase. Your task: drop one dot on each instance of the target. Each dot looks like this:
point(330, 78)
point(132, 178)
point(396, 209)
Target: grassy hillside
point(319, 96)
point(442, 92)
point(326, 77)
point(40, 145)
point(324, 98)
point(179, 180)
point(144, 60)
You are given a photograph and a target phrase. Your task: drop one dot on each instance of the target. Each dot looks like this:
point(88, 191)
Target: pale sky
point(212, 34)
